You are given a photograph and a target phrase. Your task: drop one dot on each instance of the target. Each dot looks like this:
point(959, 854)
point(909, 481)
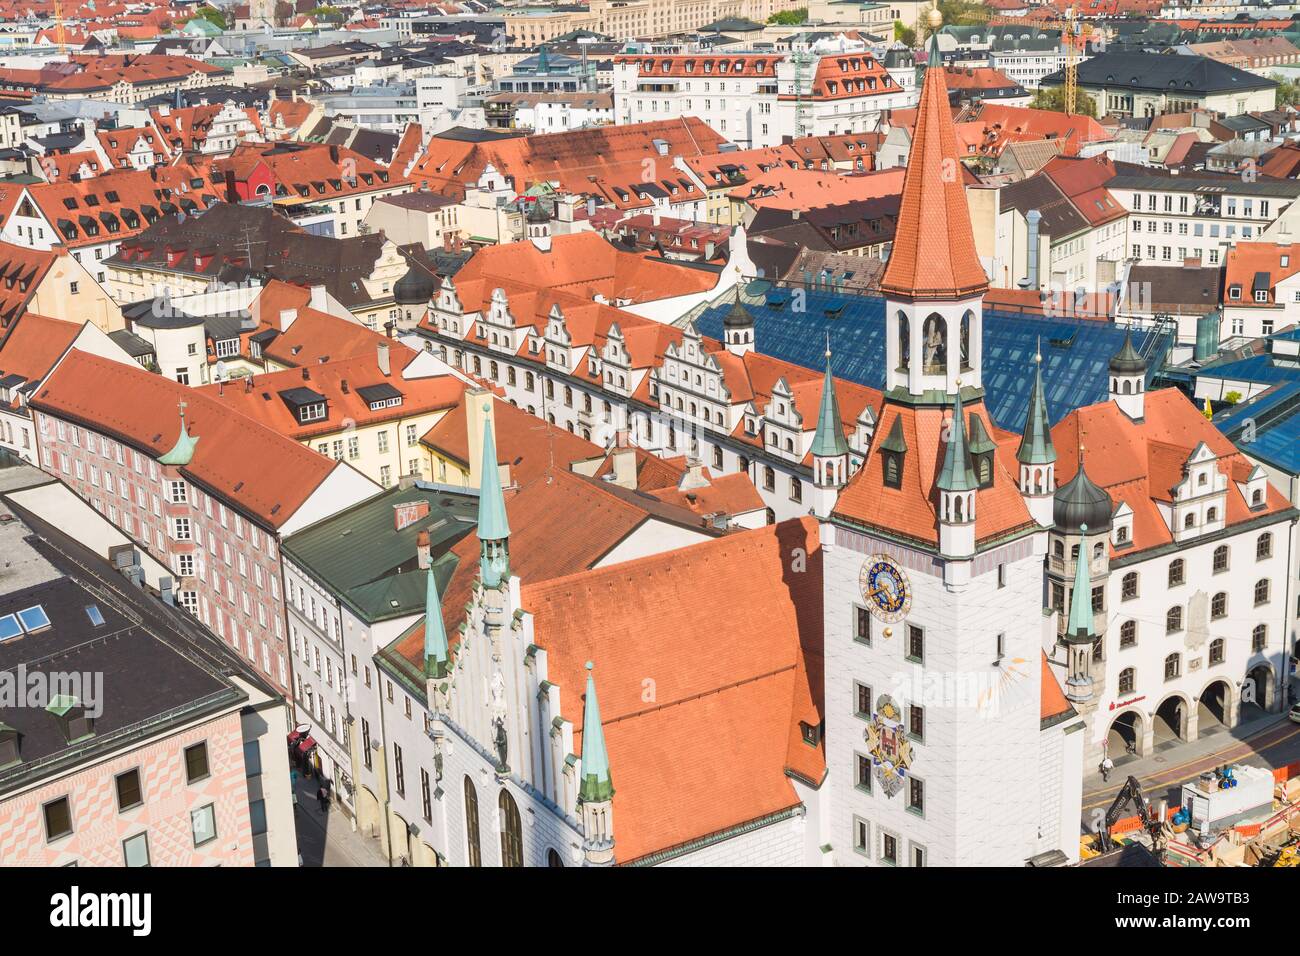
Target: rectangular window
point(203, 824)
point(426, 797)
point(58, 819)
point(861, 624)
point(862, 772)
point(365, 741)
point(398, 771)
point(916, 795)
point(888, 848)
point(915, 643)
point(862, 699)
point(861, 836)
point(916, 722)
point(135, 850)
point(196, 762)
point(129, 794)
point(252, 759)
point(257, 816)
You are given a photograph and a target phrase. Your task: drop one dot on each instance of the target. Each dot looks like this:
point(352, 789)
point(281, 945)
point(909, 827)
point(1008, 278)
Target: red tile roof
point(35, 344)
point(1246, 260)
point(523, 443)
point(267, 476)
point(934, 247)
point(1140, 462)
point(734, 679)
point(22, 269)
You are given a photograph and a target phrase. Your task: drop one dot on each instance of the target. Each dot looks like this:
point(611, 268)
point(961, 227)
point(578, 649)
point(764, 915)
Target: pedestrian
point(1107, 765)
point(322, 799)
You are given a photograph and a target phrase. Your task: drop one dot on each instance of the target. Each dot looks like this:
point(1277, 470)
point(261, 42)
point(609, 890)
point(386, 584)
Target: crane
point(1074, 37)
point(60, 36)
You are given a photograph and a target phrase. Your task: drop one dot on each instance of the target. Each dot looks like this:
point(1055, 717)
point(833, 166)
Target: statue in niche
point(934, 345)
point(904, 342)
point(501, 745)
point(965, 341)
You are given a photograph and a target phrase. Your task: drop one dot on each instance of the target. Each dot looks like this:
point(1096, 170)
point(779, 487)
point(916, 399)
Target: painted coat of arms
point(891, 751)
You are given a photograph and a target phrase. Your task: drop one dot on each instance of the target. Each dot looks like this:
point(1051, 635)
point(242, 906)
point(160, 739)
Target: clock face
point(885, 589)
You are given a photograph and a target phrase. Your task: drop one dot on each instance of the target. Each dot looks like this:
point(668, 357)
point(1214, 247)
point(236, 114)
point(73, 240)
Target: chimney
point(693, 477)
point(381, 357)
point(248, 384)
point(623, 459)
point(478, 409)
point(287, 318)
point(422, 547)
point(656, 215)
point(1032, 218)
point(407, 513)
point(334, 154)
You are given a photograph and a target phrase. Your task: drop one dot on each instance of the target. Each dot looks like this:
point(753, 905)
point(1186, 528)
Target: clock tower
point(932, 569)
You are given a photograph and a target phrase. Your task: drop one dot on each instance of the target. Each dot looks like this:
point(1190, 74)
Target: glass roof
point(1076, 352)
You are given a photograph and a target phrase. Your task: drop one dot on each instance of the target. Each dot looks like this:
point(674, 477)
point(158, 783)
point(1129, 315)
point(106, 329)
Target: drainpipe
point(1032, 218)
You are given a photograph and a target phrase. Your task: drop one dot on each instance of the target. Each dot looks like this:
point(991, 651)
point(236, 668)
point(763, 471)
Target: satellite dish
point(221, 372)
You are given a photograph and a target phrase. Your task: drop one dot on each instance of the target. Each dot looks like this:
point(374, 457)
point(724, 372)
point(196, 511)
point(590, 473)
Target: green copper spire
point(1036, 446)
point(596, 785)
point(957, 474)
point(437, 656)
point(1080, 626)
point(493, 530)
point(829, 441)
point(183, 451)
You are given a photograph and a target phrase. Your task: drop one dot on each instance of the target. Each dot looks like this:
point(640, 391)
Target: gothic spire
point(493, 529)
point(957, 473)
point(829, 441)
point(437, 656)
point(596, 784)
point(1080, 625)
point(1036, 446)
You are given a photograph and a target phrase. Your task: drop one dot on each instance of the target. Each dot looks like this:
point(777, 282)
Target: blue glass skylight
point(9, 628)
point(34, 618)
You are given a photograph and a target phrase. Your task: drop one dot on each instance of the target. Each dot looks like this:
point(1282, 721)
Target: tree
point(904, 35)
point(1288, 91)
point(325, 12)
point(212, 15)
point(1053, 98)
point(789, 18)
point(1232, 398)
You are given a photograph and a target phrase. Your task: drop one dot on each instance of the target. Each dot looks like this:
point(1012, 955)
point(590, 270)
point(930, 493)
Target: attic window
point(1234, 292)
point(95, 614)
point(812, 733)
point(8, 746)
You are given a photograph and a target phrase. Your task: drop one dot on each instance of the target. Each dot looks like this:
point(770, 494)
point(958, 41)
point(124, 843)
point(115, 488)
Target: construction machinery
point(1074, 40)
point(1155, 827)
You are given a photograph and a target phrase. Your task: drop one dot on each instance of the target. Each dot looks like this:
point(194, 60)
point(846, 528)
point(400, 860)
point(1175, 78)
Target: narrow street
point(1271, 742)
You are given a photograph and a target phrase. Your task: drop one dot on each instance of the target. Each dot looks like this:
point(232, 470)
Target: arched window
point(1256, 497)
point(473, 854)
point(1259, 638)
point(1263, 547)
point(1173, 666)
point(1219, 605)
point(512, 831)
point(1220, 558)
point(1211, 515)
point(1128, 634)
point(1173, 620)
point(1261, 591)
point(965, 341)
point(1127, 680)
point(1058, 549)
point(1189, 522)
point(934, 345)
point(1098, 550)
point(553, 858)
point(1216, 650)
point(1176, 572)
point(1129, 586)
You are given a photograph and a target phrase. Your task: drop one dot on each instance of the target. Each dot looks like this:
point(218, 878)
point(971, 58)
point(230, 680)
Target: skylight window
point(33, 618)
point(96, 616)
point(9, 628)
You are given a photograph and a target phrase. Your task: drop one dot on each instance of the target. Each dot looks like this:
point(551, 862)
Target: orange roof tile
point(265, 475)
point(934, 247)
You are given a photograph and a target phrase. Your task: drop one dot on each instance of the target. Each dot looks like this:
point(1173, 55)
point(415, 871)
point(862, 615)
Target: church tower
point(596, 788)
point(738, 327)
point(932, 567)
point(437, 651)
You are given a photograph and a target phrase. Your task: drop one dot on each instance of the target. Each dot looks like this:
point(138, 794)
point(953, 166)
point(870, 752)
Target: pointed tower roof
point(183, 451)
point(1036, 446)
point(738, 317)
point(437, 656)
point(933, 255)
point(829, 440)
point(957, 474)
point(1127, 361)
point(596, 784)
point(492, 525)
point(1080, 625)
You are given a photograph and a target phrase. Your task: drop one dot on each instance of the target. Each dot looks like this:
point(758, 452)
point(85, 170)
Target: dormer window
point(72, 717)
point(9, 741)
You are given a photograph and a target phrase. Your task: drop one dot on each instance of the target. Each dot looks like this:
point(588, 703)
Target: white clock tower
point(933, 574)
